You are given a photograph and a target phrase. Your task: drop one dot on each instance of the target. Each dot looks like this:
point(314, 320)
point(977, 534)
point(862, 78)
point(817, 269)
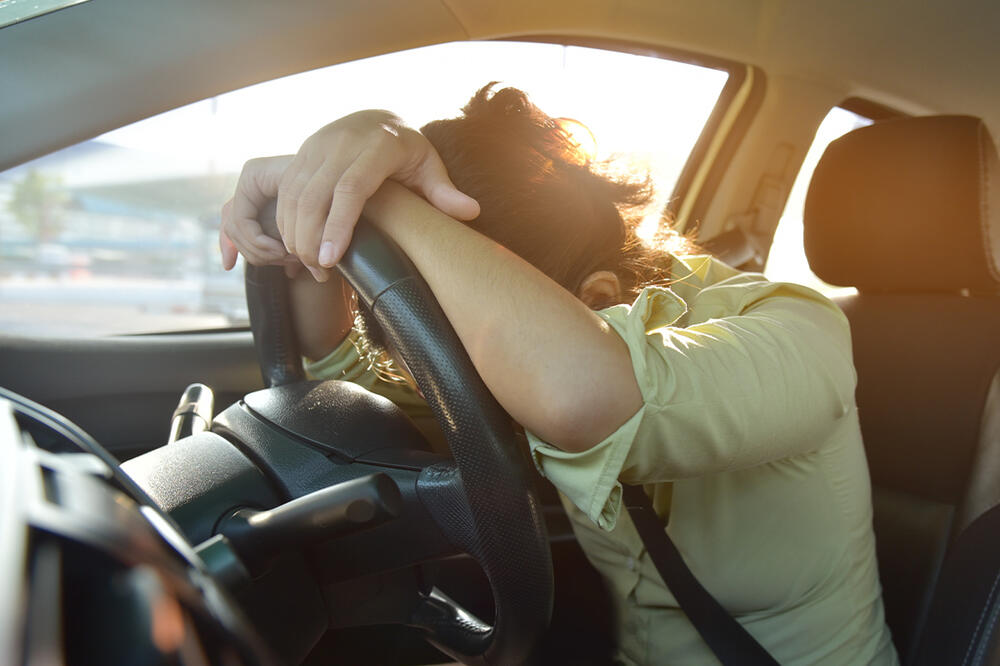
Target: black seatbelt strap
point(726, 637)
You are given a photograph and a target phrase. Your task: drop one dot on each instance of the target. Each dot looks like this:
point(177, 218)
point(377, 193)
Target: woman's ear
point(600, 289)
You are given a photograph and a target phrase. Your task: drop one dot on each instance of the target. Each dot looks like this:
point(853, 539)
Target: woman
point(728, 397)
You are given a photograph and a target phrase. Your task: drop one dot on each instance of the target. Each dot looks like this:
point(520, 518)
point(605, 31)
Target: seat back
point(907, 212)
point(961, 624)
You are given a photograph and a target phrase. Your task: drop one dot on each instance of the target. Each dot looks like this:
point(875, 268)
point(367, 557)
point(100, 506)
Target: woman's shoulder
point(702, 287)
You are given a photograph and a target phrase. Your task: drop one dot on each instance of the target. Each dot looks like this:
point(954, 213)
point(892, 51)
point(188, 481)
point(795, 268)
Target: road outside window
point(117, 235)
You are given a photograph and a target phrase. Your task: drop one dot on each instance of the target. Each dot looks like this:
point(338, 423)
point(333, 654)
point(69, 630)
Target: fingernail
point(326, 254)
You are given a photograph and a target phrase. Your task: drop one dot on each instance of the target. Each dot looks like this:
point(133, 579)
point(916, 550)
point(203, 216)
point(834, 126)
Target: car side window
point(117, 235)
point(787, 261)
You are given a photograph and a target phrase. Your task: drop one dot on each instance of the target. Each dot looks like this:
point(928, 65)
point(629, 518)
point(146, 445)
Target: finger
point(236, 238)
point(257, 184)
point(251, 241)
point(229, 252)
point(314, 207)
point(319, 273)
point(226, 247)
point(259, 249)
point(432, 181)
point(247, 234)
point(353, 189)
point(256, 257)
point(294, 180)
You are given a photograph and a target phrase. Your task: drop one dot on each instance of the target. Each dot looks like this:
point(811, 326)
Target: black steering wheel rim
point(484, 503)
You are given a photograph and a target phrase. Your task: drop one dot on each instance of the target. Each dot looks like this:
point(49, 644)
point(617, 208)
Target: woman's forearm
point(322, 313)
point(553, 364)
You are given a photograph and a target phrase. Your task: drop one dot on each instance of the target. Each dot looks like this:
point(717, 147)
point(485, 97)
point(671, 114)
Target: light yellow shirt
point(748, 442)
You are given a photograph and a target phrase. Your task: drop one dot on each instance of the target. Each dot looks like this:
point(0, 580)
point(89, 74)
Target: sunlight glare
point(786, 261)
point(581, 135)
point(650, 109)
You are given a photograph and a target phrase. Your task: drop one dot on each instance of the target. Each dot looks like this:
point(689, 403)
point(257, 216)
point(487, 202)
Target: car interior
point(227, 513)
point(928, 410)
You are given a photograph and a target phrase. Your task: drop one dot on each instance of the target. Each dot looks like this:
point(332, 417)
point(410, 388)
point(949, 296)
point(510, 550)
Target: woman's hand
point(321, 191)
point(239, 232)
point(324, 188)
point(322, 312)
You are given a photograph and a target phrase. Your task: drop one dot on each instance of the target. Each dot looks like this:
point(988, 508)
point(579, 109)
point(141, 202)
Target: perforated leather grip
point(506, 533)
point(271, 320)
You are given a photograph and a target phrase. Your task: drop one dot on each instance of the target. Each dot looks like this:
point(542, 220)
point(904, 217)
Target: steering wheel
point(482, 501)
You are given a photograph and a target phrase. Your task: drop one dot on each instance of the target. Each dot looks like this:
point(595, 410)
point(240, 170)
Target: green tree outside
point(38, 203)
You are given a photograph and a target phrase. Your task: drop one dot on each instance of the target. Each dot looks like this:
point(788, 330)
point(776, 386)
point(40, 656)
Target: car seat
point(906, 211)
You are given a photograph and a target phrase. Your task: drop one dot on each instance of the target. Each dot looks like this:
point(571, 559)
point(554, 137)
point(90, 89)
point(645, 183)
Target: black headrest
point(907, 205)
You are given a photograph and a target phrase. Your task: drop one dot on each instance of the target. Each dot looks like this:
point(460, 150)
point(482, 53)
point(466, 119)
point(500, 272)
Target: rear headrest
point(907, 205)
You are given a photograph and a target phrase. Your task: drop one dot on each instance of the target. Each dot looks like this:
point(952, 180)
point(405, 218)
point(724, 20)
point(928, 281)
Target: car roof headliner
point(90, 68)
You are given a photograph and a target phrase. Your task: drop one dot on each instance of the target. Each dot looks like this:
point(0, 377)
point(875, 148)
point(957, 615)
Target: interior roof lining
point(102, 76)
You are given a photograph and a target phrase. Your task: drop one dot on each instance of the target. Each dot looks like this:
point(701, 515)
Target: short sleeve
point(738, 372)
point(589, 478)
point(752, 372)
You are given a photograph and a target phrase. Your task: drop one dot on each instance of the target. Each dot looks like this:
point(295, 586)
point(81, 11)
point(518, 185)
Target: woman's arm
point(554, 365)
point(322, 312)
point(374, 143)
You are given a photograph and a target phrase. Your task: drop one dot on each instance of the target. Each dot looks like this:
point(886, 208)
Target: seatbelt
point(726, 637)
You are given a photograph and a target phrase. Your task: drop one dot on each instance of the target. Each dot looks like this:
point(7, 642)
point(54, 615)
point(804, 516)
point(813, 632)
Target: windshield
point(117, 234)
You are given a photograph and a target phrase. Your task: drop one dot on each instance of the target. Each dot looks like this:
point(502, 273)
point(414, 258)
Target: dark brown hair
point(542, 198)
